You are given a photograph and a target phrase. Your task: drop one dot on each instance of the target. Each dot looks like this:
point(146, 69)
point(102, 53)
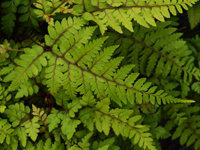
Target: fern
point(116, 13)
point(100, 75)
point(47, 8)
point(27, 13)
point(187, 130)
point(193, 15)
point(157, 51)
point(8, 21)
point(6, 131)
point(28, 63)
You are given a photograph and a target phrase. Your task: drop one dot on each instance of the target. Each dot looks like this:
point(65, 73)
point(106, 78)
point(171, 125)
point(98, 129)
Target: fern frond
point(79, 63)
point(5, 131)
point(17, 113)
point(157, 50)
point(84, 144)
point(7, 69)
point(32, 128)
point(189, 132)
point(30, 65)
point(120, 121)
point(27, 88)
point(115, 13)
point(194, 15)
point(176, 114)
point(196, 87)
point(5, 96)
point(8, 20)
point(69, 125)
point(40, 114)
point(46, 8)
point(27, 13)
point(22, 135)
point(54, 119)
point(45, 145)
point(106, 144)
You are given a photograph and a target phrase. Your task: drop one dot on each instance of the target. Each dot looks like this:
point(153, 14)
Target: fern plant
point(90, 74)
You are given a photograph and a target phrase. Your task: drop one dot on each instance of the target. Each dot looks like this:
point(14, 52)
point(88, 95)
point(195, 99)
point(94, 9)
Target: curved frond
point(117, 12)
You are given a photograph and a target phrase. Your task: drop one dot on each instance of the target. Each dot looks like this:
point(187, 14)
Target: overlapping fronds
point(119, 12)
point(104, 118)
point(96, 88)
point(156, 50)
point(194, 15)
point(80, 65)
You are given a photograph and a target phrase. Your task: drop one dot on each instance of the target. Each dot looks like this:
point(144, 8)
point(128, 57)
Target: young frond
point(115, 13)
